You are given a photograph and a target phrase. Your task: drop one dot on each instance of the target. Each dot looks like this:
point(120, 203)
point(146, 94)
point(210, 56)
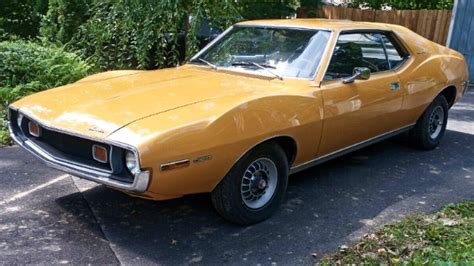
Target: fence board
point(432, 24)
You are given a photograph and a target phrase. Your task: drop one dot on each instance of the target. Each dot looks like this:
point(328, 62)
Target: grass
point(445, 237)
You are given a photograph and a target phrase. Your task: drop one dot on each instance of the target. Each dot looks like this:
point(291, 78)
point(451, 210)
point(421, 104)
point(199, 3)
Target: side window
point(395, 58)
point(357, 50)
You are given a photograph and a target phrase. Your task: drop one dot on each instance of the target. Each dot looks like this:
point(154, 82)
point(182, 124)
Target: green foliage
point(27, 67)
point(446, 237)
point(404, 4)
point(63, 19)
point(144, 34)
point(310, 3)
point(21, 17)
point(263, 9)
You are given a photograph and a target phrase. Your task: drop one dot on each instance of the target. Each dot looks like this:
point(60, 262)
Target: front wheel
point(254, 187)
point(430, 128)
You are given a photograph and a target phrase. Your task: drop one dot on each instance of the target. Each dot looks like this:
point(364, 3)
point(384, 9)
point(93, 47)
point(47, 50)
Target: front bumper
point(140, 182)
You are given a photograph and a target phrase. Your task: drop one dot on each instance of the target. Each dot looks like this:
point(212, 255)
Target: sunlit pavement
point(49, 217)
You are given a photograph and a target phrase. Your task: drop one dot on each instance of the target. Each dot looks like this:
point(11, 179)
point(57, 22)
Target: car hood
point(101, 104)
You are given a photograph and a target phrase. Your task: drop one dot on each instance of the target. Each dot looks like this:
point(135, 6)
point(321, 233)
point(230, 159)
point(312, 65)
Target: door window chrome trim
point(348, 149)
point(386, 32)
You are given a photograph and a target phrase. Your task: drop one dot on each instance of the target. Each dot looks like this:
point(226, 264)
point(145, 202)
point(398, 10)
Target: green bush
point(268, 9)
point(123, 34)
point(28, 67)
point(21, 18)
point(63, 19)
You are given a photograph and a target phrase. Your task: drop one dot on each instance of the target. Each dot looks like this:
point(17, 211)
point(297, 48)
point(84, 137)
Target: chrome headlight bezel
point(132, 162)
point(19, 119)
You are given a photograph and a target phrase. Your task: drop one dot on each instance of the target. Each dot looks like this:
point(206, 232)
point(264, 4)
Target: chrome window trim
point(382, 31)
point(209, 45)
point(349, 149)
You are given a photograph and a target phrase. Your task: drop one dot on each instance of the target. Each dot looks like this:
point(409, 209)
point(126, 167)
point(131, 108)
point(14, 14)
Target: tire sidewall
point(237, 211)
point(426, 138)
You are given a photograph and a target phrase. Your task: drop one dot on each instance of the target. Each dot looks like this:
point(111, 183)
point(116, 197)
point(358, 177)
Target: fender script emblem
point(96, 129)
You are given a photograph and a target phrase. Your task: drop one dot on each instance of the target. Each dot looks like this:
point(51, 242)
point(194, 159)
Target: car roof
point(330, 24)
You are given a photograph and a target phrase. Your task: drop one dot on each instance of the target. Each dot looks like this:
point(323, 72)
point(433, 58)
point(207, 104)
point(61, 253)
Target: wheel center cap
point(262, 184)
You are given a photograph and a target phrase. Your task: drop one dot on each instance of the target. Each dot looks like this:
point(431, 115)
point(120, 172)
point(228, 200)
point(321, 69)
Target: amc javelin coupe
point(263, 100)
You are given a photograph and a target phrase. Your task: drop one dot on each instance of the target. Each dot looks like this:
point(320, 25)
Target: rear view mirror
point(362, 73)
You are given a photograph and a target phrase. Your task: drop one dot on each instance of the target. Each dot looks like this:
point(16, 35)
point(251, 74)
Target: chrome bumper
point(467, 84)
point(140, 182)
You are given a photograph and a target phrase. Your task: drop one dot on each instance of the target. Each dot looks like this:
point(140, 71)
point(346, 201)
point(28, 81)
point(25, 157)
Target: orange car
point(264, 100)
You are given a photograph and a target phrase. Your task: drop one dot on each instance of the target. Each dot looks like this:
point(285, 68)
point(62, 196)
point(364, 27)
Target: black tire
point(422, 135)
point(228, 199)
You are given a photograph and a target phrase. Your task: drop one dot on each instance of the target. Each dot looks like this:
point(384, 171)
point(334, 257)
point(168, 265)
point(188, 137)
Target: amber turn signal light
point(34, 129)
point(100, 154)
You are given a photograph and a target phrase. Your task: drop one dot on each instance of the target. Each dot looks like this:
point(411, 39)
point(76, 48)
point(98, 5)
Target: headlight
point(131, 161)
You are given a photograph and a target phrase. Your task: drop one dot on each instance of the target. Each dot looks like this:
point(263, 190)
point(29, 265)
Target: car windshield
point(283, 52)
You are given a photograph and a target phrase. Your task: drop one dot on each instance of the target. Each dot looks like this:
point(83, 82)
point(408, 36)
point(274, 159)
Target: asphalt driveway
point(48, 217)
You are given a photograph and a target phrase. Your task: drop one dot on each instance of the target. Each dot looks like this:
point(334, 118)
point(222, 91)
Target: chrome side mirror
point(362, 73)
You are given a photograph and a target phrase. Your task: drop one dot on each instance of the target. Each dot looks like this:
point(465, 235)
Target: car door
point(363, 109)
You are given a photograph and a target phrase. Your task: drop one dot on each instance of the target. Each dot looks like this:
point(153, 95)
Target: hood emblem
point(96, 129)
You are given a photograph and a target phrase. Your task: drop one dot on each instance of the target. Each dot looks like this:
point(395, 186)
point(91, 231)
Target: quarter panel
point(430, 69)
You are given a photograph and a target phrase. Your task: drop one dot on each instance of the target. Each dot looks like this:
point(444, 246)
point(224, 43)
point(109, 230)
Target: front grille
point(74, 150)
point(67, 147)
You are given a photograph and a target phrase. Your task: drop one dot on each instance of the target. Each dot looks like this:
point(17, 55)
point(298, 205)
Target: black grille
point(73, 150)
point(67, 147)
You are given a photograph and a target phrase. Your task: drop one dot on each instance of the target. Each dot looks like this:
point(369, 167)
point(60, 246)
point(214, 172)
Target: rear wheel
point(430, 128)
point(254, 187)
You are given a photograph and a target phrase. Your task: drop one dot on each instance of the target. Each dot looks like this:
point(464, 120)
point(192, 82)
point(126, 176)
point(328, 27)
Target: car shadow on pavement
point(326, 206)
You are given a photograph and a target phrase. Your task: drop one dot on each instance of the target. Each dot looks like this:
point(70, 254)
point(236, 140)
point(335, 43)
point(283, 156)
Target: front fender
point(221, 130)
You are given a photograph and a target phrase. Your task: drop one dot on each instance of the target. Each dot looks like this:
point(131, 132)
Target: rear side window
point(395, 57)
point(375, 51)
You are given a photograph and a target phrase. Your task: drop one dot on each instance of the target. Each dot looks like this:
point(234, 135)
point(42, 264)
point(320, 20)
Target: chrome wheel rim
point(259, 183)
point(436, 122)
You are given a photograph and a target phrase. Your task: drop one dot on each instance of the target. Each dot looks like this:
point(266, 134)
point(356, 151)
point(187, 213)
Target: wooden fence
point(432, 24)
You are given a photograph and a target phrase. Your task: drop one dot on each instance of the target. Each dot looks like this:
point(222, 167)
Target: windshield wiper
point(261, 66)
point(207, 63)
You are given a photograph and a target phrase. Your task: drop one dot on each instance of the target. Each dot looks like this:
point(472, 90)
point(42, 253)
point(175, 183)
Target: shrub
point(21, 17)
point(63, 19)
point(28, 67)
point(125, 34)
point(259, 9)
